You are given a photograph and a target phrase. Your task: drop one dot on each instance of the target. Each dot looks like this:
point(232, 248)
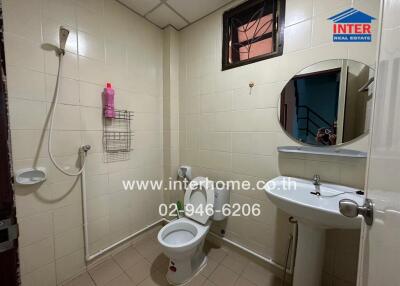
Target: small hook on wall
point(251, 85)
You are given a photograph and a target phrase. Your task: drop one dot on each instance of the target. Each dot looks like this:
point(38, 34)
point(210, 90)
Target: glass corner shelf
point(324, 151)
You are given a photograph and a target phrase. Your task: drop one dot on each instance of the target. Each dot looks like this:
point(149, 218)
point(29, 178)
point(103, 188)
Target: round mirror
point(328, 103)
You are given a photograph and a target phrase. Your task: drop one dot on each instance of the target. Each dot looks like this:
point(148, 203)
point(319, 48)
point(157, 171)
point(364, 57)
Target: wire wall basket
point(117, 136)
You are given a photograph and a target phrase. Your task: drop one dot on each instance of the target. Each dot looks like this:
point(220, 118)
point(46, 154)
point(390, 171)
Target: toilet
point(182, 240)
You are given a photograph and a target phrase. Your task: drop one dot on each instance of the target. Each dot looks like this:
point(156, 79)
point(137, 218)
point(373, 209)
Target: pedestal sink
point(314, 214)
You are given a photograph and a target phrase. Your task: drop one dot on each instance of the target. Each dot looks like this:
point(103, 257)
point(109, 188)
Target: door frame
point(9, 263)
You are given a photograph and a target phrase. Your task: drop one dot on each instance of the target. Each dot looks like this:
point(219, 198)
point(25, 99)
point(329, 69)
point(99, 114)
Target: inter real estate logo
point(352, 26)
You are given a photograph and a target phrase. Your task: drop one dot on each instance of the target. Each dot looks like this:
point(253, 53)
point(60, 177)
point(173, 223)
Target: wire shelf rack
point(117, 136)
point(116, 141)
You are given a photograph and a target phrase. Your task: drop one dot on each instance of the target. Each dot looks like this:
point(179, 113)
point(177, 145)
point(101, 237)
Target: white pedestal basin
point(314, 214)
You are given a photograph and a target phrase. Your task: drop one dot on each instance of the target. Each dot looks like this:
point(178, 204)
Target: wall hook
point(251, 85)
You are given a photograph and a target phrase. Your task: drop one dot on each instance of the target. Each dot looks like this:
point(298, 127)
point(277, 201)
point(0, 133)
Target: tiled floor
point(144, 264)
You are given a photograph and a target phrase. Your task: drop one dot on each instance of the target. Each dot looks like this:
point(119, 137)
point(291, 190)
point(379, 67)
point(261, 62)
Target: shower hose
point(82, 152)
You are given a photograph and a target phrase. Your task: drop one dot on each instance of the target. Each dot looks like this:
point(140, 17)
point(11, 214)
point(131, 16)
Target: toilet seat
point(199, 194)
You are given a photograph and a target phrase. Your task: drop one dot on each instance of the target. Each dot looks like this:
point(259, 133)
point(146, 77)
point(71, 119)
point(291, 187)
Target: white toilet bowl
point(182, 241)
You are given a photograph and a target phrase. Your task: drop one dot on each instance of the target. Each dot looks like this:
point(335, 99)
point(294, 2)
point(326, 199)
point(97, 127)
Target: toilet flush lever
point(350, 208)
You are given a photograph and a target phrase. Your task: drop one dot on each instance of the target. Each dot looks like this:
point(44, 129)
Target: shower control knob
point(350, 208)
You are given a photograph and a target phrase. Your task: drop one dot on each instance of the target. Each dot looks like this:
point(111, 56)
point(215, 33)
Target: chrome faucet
point(317, 184)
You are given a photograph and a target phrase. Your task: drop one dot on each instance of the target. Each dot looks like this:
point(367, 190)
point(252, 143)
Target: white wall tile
point(65, 143)
point(28, 144)
point(32, 200)
point(262, 143)
point(92, 5)
point(25, 84)
point(94, 139)
point(69, 266)
point(68, 242)
point(60, 10)
point(16, 50)
point(69, 64)
point(331, 7)
point(36, 255)
point(67, 117)
point(44, 276)
point(65, 193)
point(90, 20)
point(91, 46)
point(68, 90)
point(30, 11)
point(215, 141)
point(91, 94)
point(92, 118)
point(66, 218)
point(35, 228)
point(92, 71)
point(298, 37)
point(26, 114)
point(321, 31)
point(298, 11)
point(98, 207)
point(257, 166)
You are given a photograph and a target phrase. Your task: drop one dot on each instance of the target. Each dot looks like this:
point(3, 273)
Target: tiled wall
point(226, 133)
point(108, 43)
point(171, 108)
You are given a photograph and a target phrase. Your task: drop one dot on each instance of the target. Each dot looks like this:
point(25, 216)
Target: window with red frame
point(252, 31)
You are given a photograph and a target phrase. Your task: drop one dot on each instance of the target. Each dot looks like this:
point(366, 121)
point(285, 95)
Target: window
point(252, 31)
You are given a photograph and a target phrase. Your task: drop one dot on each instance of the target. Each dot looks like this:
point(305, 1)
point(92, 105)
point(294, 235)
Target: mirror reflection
point(328, 103)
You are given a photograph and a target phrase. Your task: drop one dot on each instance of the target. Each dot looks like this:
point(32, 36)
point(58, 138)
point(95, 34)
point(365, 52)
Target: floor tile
point(259, 275)
point(149, 249)
point(215, 253)
point(82, 280)
point(160, 263)
point(197, 281)
point(155, 279)
point(210, 267)
point(127, 258)
point(122, 280)
point(105, 272)
point(209, 283)
point(223, 276)
point(235, 262)
point(243, 282)
point(139, 271)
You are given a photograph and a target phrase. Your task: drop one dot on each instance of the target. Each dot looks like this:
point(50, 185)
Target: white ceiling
point(177, 13)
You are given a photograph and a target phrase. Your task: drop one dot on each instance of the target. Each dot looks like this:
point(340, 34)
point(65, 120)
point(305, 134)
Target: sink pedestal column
point(309, 255)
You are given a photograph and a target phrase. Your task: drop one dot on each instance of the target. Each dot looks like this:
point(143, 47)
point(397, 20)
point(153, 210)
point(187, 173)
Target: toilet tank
point(221, 197)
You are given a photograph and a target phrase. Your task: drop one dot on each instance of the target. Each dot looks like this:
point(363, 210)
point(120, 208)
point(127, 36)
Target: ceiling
point(177, 13)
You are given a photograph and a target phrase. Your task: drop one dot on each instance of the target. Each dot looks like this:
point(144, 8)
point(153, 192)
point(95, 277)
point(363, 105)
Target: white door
point(379, 263)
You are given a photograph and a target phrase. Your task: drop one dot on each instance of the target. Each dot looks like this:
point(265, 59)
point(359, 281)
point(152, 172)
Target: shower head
point(63, 38)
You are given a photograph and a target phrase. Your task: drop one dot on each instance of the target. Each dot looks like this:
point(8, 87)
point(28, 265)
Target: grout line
point(201, 18)
point(176, 12)
point(133, 11)
point(151, 10)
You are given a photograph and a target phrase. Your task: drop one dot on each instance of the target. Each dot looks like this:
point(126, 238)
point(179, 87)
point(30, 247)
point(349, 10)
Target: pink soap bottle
point(109, 93)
